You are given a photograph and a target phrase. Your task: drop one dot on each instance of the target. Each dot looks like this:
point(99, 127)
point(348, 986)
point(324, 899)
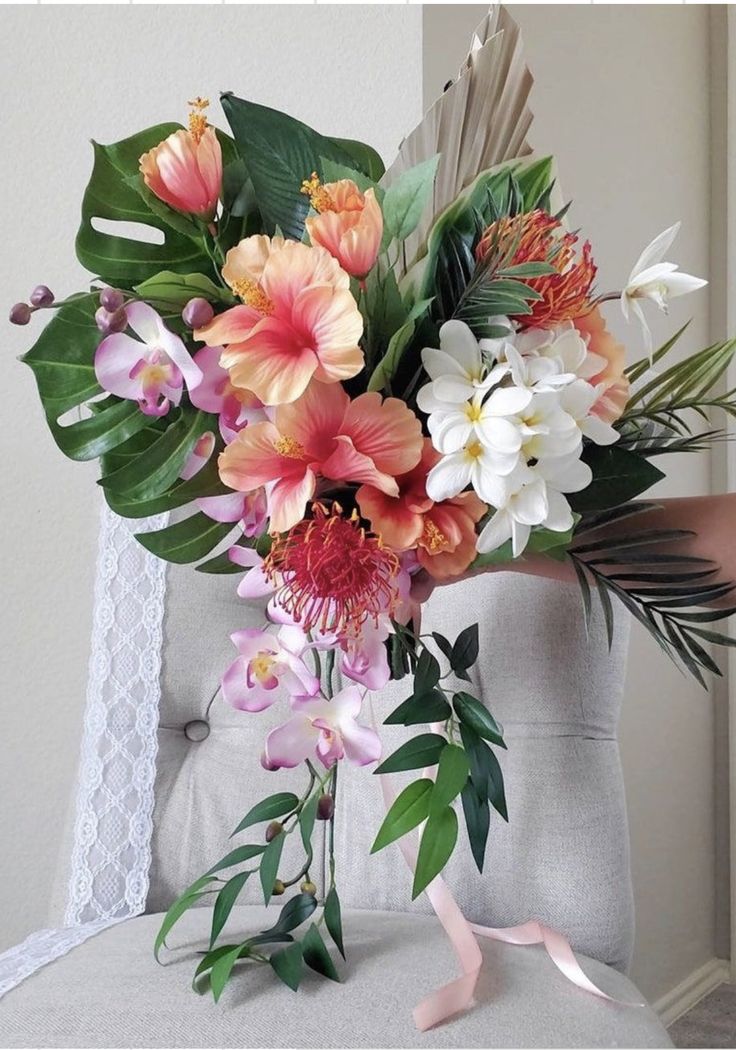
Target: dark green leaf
point(224, 903)
point(237, 856)
point(419, 708)
point(316, 956)
point(465, 650)
point(206, 482)
point(288, 966)
point(475, 714)
point(417, 753)
point(477, 822)
point(364, 157)
point(207, 962)
point(177, 909)
point(443, 644)
point(279, 153)
point(307, 818)
point(221, 970)
point(270, 861)
point(186, 540)
point(427, 673)
point(435, 849)
point(618, 476)
point(296, 911)
point(333, 920)
point(409, 809)
point(268, 809)
point(485, 771)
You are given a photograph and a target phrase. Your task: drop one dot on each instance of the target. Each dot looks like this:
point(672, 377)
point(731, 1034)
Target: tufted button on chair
point(562, 858)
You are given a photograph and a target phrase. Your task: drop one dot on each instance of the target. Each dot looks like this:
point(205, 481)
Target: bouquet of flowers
point(362, 384)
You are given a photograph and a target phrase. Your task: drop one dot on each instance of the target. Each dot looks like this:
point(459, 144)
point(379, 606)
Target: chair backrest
point(563, 857)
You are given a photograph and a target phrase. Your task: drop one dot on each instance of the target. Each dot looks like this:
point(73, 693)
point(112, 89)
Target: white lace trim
point(112, 837)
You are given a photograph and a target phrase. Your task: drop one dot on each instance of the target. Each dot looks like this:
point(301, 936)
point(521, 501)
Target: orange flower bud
point(348, 223)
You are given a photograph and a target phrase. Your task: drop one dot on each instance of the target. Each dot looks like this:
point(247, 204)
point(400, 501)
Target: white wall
point(67, 75)
point(621, 98)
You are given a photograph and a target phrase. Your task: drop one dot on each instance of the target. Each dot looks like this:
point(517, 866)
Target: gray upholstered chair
point(563, 857)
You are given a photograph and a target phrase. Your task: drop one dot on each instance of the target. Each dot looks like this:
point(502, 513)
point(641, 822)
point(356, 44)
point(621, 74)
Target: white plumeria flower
point(547, 429)
point(538, 501)
point(577, 399)
point(537, 373)
point(483, 418)
point(564, 346)
point(457, 369)
point(654, 279)
point(489, 473)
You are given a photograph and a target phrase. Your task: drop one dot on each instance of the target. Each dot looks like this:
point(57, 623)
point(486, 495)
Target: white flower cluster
point(509, 416)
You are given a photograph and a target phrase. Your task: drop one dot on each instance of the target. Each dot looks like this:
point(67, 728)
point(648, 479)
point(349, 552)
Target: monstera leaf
point(116, 192)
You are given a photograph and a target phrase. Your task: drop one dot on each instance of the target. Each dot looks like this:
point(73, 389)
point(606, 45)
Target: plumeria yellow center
point(473, 411)
point(432, 537)
point(319, 197)
point(474, 450)
point(261, 665)
point(197, 119)
point(251, 293)
point(288, 446)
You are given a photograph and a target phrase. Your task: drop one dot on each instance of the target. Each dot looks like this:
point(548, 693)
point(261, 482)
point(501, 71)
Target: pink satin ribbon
point(458, 995)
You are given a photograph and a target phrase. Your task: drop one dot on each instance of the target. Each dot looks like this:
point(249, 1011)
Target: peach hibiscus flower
point(322, 435)
point(298, 319)
point(348, 223)
point(609, 377)
point(443, 533)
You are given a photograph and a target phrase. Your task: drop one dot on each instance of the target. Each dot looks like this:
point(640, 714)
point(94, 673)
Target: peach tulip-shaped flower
point(322, 435)
point(605, 366)
point(298, 320)
point(348, 223)
point(442, 533)
point(185, 170)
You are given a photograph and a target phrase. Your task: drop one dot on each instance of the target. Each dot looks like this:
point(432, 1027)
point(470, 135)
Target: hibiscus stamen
point(290, 447)
point(251, 293)
point(333, 576)
point(432, 538)
point(197, 119)
point(319, 197)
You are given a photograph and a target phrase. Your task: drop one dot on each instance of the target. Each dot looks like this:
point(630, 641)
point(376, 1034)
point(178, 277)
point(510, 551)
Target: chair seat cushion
point(109, 992)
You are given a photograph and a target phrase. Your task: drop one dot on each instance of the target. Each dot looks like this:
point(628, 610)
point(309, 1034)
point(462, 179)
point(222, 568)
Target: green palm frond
point(665, 591)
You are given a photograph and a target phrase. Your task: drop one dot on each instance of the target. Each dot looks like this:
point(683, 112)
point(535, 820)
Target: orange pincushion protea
point(539, 237)
point(332, 575)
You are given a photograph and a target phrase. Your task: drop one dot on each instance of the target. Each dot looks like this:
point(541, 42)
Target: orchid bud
point(267, 763)
point(278, 888)
point(308, 887)
point(111, 322)
point(197, 313)
point(20, 313)
point(111, 299)
point(42, 296)
point(325, 807)
point(274, 828)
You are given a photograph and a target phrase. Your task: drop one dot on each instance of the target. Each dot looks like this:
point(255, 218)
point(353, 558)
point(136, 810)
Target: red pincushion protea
point(539, 237)
point(332, 575)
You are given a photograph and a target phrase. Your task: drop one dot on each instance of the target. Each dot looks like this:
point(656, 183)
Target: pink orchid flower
point(327, 729)
point(249, 509)
point(298, 319)
point(152, 369)
point(235, 407)
point(269, 667)
point(322, 435)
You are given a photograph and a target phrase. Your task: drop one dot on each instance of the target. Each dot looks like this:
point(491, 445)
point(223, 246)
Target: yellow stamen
point(475, 449)
point(261, 666)
point(432, 537)
point(319, 198)
point(251, 293)
point(197, 120)
point(288, 446)
point(474, 411)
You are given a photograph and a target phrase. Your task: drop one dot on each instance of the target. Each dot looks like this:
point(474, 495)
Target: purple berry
point(111, 322)
point(111, 299)
point(42, 296)
point(20, 313)
point(325, 807)
point(197, 313)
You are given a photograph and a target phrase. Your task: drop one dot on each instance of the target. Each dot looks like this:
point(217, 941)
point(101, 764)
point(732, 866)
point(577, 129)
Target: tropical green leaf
point(420, 708)
point(476, 715)
point(427, 672)
point(296, 911)
point(407, 198)
point(485, 770)
point(225, 901)
point(438, 841)
point(364, 157)
point(236, 856)
point(270, 861)
point(268, 809)
point(419, 752)
point(174, 290)
point(186, 540)
point(409, 809)
point(206, 482)
point(116, 193)
point(316, 956)
point(288, 965)
point(465, 651)
point(333, 920)
point(279, 152)
point(618, 476)
point(452, 775)
point(477, 821)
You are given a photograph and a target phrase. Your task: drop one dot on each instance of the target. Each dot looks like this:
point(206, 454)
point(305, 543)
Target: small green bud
point(308, 887)
point(278, 888)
